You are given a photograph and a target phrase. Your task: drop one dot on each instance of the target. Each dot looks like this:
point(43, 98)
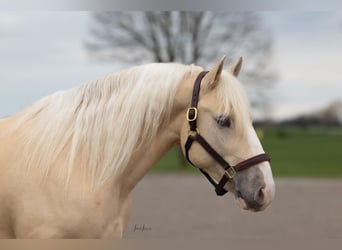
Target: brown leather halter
point(194, 135)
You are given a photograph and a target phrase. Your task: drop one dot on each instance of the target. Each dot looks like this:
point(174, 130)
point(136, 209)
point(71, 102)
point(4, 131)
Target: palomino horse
point(69, 162)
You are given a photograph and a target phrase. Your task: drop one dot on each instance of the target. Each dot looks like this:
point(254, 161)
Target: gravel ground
point(185, 207)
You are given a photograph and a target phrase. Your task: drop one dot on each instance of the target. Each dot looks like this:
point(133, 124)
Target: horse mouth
point(242, 203)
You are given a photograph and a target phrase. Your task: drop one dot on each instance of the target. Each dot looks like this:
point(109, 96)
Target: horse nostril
point(254, 201)
point(259, 196)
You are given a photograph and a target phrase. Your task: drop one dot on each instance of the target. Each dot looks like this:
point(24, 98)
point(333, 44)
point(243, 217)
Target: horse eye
point(224, 121)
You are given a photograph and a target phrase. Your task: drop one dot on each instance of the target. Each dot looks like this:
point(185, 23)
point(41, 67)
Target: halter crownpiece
point(229, 171)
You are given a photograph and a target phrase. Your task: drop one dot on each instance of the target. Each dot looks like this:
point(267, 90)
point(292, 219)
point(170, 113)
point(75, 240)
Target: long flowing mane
point(101, 121)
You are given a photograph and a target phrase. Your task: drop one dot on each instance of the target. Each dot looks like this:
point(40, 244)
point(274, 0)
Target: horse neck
point(145, 158)
point(167, 137)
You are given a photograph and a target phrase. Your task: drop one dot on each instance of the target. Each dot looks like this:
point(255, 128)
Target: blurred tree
point(332, 114)
point(188, 37)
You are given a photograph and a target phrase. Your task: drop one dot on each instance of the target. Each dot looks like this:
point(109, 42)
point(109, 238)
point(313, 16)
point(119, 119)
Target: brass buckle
point(188, 112)
point(230, 172)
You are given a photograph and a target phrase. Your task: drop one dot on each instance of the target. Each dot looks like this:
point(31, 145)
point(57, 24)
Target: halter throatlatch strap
point(229, 171)
point(192, 111)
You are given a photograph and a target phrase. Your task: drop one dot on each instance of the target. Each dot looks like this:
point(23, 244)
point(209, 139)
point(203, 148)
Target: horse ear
point(211, 79)
point(235, 69)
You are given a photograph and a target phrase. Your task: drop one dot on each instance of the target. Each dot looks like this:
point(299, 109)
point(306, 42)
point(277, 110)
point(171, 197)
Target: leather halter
point(229, 171)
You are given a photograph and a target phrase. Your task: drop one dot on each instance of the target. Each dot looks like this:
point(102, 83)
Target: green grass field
point(294, 152)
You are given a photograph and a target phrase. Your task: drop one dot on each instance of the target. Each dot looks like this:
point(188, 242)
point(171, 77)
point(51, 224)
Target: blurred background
point(291, 68)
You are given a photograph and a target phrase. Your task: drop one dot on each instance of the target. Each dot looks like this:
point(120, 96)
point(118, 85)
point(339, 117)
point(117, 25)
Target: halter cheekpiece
point(229, 171)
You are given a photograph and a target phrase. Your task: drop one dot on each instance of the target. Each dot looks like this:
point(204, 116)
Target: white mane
point(101, 121)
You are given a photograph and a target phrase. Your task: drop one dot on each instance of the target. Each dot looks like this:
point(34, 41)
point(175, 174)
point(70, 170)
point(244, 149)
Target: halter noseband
point(194, 135)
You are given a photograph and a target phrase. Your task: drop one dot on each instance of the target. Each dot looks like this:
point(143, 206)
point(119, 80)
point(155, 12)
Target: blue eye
point(224, 121)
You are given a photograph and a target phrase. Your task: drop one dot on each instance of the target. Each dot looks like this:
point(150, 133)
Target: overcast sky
point(41, 52)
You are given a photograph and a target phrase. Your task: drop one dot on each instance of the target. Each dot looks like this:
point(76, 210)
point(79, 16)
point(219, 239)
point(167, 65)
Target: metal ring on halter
point(193, 132)
point(188, 114)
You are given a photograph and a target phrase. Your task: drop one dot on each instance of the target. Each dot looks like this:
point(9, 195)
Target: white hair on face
point(101, 122)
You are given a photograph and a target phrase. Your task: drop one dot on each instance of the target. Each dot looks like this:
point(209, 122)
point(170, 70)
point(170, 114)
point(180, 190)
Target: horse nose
point(260, 199)
point(253, 191)
point(255, 200)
